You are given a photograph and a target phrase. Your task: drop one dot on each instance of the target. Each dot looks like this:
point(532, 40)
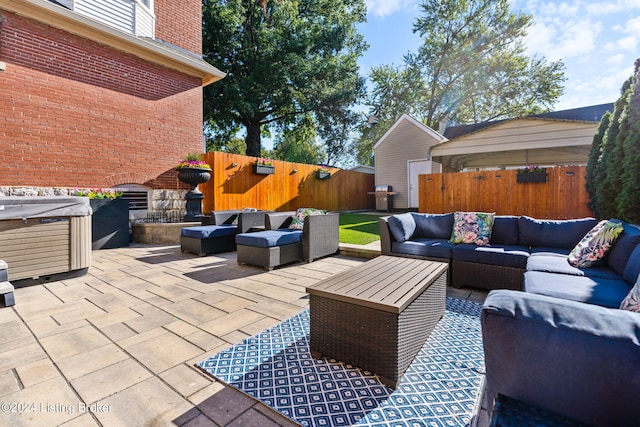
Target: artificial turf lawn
point(359, 229)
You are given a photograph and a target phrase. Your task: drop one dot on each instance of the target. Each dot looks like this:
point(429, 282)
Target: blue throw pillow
point(437, 226)
point(402, 226)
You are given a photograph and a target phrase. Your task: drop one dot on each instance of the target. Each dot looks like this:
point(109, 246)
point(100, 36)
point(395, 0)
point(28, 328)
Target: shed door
point(416, 167)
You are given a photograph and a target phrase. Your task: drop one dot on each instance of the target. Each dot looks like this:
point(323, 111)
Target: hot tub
point(45, 238)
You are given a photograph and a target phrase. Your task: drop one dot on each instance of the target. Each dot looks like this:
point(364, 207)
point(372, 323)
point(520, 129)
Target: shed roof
point(406, 117)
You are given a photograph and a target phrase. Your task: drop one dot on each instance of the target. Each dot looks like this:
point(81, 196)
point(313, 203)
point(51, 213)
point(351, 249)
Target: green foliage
point(470, 68)
point(593, 170)
point(283, 59)
point(613, 172)
point(609, 185)
point(629, 200)
point(298, 143)
point(359, 229)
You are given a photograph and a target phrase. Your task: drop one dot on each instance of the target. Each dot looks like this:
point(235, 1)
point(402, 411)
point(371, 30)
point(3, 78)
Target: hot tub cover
point(24, 207)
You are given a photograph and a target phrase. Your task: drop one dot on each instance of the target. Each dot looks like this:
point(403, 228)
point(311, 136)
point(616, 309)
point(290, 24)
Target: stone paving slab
point(126, 336)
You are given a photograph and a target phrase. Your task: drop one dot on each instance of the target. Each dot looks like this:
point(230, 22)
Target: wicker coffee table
point(378, 315)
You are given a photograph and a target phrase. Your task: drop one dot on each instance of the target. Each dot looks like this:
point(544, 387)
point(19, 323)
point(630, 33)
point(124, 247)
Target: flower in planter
point(193, 160)
point(97, 193)
point(264, 162)
point(324, 169)
point(532, 169)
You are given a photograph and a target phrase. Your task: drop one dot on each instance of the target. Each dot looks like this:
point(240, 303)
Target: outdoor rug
point(440, 388)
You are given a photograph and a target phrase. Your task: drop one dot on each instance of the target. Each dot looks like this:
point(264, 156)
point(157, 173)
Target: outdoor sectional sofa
point(562, 345)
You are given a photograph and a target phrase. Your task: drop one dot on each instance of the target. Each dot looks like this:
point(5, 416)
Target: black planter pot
point(193, 177)
point(109, 223)
point(532, 177)
point(323, 175)
point(263, 169)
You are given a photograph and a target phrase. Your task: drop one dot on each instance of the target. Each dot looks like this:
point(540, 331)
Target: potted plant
point(323, 172)
point(263, 166)
point(110, 219)
point(531, 174)
point(193, 170)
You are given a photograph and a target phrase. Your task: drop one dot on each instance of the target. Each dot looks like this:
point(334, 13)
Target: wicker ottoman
point(378, 315)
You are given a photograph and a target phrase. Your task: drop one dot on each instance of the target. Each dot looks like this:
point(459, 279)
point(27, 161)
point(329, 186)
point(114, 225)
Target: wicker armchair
point(278, 245)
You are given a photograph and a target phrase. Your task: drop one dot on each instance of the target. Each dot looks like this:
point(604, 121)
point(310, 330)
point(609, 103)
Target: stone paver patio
point(117, 346)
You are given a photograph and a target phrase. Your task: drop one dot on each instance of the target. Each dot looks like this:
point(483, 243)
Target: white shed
point(402, 154)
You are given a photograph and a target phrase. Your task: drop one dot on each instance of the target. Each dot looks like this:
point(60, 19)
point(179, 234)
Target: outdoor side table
point(378, 315)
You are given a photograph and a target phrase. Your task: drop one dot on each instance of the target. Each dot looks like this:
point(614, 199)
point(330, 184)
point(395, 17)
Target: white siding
point(406, 142)
point(129, 16)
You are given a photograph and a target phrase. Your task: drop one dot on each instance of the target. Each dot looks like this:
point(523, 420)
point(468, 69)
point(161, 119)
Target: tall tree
point(629, 200)
point(593, 163)
point(609, 183)
point(470, 68)
point(283, 59)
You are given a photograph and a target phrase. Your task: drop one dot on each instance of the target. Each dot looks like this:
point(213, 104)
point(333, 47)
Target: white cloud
point(625, 43)
point(562, 39)
point(383, 8)
point(615, 59)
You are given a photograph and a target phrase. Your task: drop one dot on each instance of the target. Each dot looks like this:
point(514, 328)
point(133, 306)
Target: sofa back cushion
point(436, 226)
point(553, 233)
point(402, 226)
point(621, 251)
point(505, 230)
point(632, 270)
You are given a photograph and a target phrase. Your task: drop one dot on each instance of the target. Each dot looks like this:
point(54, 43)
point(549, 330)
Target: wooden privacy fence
point(563, 196)
point(235, 185)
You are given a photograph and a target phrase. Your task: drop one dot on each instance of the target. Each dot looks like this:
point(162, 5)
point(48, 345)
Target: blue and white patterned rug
point(440, 388)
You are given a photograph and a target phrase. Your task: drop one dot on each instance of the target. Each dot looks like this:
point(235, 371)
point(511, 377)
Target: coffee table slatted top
point(385, 283)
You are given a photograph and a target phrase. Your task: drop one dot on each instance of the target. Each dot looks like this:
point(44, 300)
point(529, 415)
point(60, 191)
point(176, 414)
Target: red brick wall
point(77, 113)
point(180, 23)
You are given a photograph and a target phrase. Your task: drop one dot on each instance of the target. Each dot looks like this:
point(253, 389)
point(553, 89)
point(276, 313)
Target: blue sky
point(598, 41)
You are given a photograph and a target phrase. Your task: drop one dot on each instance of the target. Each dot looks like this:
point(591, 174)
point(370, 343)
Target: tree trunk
point(253, 139)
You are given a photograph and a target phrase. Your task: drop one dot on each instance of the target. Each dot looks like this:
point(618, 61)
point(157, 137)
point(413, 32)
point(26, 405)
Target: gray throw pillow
point(402, 226)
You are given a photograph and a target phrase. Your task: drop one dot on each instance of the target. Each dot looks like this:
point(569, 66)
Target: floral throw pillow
point(235, 220)
point(298, 219)
point(632, 301)
point(472, 227)
point(595, 244)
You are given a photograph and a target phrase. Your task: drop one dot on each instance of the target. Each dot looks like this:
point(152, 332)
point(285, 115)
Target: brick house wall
point(76, 113)
point(180, 23)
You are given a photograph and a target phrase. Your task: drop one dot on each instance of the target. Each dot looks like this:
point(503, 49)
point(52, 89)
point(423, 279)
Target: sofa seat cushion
point(208, 231)
point(270, 238)
point(603, 292)
point(553, 233)
point(564, 253)
point(502, 255)
point(560, 265)
point(423, 246)
point(434, 226)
